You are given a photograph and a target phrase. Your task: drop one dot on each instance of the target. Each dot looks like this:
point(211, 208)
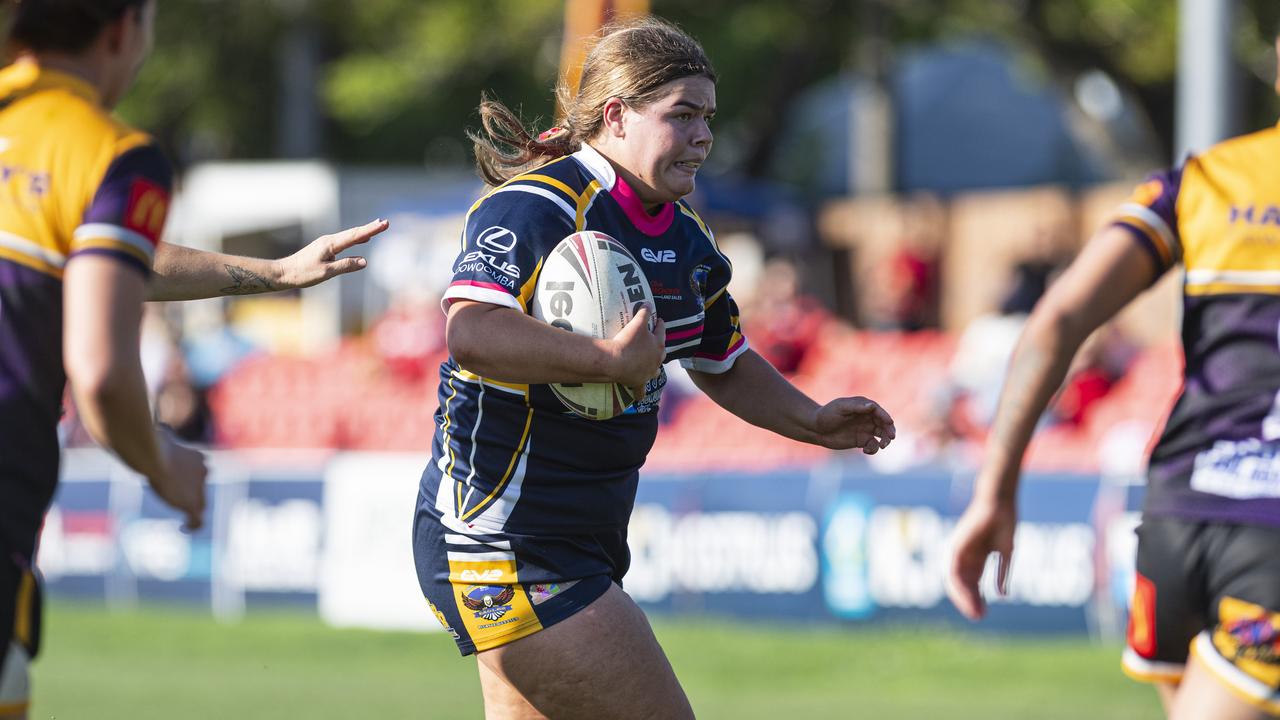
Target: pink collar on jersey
point(624, 195)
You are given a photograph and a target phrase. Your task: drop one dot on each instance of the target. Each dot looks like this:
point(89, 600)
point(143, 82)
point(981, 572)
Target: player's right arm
point(102, 314)
point(104, 284)
point(504, 344)
point(489, 331)
point(1117, 264)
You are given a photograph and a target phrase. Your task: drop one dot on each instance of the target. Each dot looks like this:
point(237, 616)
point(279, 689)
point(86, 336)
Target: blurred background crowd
point(895, 182)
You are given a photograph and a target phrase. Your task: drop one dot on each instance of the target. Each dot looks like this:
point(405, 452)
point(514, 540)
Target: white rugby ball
point(591, 285)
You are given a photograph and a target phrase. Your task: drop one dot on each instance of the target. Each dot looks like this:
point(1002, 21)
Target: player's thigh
point(503, 702)
point(603, 662)
point(1202, 695)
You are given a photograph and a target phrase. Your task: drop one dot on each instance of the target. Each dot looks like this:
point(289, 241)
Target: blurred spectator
point(902, 286)
point(986, 345)
point(409, 337)
point(783, 322)
point(1101, 362)
point(182, 406)
point(211, 345)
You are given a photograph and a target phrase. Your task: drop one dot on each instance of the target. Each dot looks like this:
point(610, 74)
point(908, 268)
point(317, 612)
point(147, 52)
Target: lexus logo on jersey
point(497, 239)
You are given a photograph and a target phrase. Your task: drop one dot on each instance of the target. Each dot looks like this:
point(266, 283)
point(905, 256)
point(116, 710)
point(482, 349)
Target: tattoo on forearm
point(246, 282)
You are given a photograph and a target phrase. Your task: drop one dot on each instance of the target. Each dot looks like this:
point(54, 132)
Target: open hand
point(318, 261)
point(854, 422)
point(986, 527)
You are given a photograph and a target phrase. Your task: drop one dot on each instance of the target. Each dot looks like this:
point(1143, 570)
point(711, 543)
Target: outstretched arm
point(183, 273)
point(754, 391)
point(1111, 271)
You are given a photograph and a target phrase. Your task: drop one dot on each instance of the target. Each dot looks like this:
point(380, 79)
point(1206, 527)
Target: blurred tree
point(400, 79)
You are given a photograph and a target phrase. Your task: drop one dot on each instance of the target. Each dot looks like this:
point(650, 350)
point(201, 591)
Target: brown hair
point(62, 25)
point(631, 61)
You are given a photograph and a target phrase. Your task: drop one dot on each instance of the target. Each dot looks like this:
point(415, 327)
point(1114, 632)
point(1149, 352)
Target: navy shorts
point(491, 589)
point(1212, 590)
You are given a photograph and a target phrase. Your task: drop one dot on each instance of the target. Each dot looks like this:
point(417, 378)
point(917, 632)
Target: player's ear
point(1277, 85)
point(115, 32)
point(614, 111)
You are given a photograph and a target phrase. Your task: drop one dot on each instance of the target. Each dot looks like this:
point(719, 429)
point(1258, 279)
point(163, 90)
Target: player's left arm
point(756, 392)
point(183, 273)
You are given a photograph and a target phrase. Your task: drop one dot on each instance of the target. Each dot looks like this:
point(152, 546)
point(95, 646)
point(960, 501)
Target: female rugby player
point(520, 532)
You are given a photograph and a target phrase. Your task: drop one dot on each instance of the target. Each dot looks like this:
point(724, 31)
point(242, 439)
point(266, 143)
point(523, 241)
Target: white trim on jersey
point(94, 231)
point(481, 557)
point(475, 431)
point(570, 211)
point(596, 164)
point(1264, 278)
point(495, 516)
point(691, 320)
point(687, 344)
point(453, 539)
point(478, 294)
point(715, 367)
point(1157, 223)
point(19, 244)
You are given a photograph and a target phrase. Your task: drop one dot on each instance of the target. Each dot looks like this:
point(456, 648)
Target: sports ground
point(169, 663)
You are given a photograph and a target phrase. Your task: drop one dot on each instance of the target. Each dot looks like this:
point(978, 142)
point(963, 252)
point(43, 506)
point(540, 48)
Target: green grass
point(166, 663)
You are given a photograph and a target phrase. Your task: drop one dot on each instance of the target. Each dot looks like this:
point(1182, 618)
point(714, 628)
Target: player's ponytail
point(632, 61)
point(505, 148)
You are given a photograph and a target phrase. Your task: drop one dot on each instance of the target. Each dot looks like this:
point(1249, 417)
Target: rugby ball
point(591, 285)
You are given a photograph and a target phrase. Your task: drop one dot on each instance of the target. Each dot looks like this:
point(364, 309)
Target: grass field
point(166, 663)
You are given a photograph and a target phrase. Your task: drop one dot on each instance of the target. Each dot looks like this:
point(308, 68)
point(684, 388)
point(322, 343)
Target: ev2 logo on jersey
point(490, 575)
point(658, 256)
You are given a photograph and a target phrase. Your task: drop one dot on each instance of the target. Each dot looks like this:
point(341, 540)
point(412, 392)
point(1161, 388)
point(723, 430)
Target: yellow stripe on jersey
point(548, 180)
point(527, 289)
point(711, 300)
point(28, 254)
point(472, 377)
point(1155, 236)
point(104, 244)
point(484, 197)
point(584, 201)
point(703, 226)
point(506, 477)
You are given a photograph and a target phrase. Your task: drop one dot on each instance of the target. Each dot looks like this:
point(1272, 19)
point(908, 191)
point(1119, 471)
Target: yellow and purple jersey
point(512, 458)
point(73, 181)
point(1218, 215)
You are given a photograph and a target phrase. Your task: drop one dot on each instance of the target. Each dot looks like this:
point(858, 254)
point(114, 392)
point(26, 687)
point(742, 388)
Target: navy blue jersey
point(512, 458)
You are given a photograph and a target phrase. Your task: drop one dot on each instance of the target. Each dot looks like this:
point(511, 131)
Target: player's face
point(667, 142)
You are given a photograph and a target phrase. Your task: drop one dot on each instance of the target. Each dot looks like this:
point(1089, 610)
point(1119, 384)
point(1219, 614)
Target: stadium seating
point(349, 400)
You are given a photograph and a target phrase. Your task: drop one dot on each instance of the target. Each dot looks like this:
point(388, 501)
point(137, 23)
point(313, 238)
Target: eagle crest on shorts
point(488, 601)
